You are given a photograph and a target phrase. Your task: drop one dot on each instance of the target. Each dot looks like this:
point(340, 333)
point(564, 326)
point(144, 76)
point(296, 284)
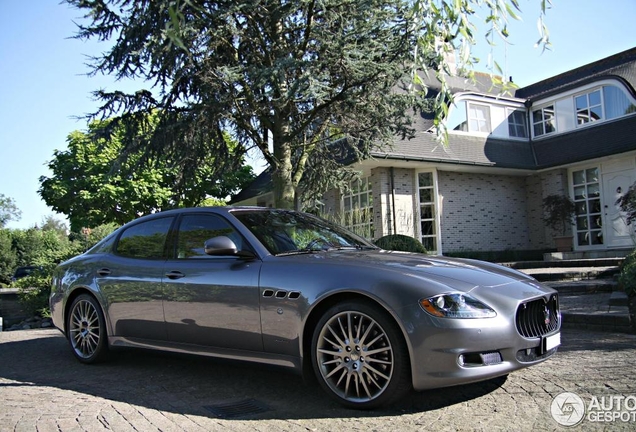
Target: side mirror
point(222, 245)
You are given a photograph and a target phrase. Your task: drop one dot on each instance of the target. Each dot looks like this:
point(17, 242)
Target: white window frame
point(353, 194)
point(436, 207)
point(487, 121)
point(589, 107)
point(509, 112)
point(543, 120)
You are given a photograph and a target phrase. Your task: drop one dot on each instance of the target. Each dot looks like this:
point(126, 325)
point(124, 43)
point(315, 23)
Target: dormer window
point(517, 123)
point(543, 120)
point(617, 103)
point(479, 118)
point(589, 107)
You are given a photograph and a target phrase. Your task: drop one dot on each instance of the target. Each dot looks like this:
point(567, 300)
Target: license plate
point(551, 342)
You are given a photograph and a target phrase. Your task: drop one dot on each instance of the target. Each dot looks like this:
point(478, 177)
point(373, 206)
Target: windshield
point(286, 231)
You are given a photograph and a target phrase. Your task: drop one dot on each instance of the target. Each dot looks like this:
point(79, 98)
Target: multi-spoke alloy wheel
point(86, 330)
point(359, 356)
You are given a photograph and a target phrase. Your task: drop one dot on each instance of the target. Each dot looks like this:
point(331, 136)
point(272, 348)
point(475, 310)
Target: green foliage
point(34, 291)
point(43, 247)
point(627, 275)
point(448, 26)
point(93, 184)
point(8, 259)
point(627, 203)
point(287, 78)
point(399, 242)
point(558, 212)
point(8, 210)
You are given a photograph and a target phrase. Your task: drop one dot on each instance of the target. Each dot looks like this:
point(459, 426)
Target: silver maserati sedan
point(290, 289)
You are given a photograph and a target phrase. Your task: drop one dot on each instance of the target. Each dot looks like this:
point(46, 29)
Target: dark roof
point(462, 149)
point(586, 143)
point(482, 84)
point(261, 185)
point(621, 66)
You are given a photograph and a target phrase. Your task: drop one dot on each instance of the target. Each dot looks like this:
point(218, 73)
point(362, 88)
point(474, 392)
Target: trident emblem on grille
point(546, 315)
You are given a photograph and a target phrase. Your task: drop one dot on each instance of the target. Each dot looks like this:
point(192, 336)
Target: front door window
point(428, 213)
point(587, 199)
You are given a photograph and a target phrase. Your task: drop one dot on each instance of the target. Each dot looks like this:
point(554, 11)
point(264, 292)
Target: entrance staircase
point(589, 295)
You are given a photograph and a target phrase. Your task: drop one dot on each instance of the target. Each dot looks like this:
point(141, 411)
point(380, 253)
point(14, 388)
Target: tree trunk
point(284, 188)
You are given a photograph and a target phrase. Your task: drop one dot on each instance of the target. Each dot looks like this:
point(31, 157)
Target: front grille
point(538, 317)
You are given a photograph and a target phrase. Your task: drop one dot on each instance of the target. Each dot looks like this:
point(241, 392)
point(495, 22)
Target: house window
point(589, 107)
point(543, 120)
point(517, 124)
point(616, 103)
point(358, 208)
point(428, 213)
point(479, 118)
point(457, 120)
point(587, 200)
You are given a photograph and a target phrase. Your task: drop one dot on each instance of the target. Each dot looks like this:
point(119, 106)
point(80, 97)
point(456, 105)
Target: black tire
point(359, 356)
point(87, 330)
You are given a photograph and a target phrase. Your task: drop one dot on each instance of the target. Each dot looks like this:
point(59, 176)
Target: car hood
point(454, 273)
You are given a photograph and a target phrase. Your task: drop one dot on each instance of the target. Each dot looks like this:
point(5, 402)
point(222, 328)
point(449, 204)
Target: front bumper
point(447, 352)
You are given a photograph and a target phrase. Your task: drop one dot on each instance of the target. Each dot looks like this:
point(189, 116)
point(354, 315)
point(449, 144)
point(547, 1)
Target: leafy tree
point(51, 223)
point(7, 257)
point(285, 77)
point(92, 185)
point(8, 210)
point(448, 26)
point(291, 75)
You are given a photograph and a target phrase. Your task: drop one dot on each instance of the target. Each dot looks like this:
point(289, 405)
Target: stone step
point(619, 298)
point(573, 263)
point(592, 286)
point(601, 311)
point(554, 274)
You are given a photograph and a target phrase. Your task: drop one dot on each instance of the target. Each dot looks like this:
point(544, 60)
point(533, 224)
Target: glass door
point(587, 199)
point(428, 213)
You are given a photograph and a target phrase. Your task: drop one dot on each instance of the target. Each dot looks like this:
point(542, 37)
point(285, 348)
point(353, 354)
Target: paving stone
point(43, 388)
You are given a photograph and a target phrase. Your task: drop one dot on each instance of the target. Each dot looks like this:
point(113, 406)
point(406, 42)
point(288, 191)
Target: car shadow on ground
point(196, 385)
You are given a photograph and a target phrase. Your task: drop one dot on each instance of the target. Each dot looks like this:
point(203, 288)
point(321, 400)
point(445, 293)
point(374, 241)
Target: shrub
point(34, 291)
point(627, 275)
point(399, 242)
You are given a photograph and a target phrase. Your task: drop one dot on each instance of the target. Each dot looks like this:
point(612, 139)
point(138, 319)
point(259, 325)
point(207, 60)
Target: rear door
point(211, 300)
point(131, 280)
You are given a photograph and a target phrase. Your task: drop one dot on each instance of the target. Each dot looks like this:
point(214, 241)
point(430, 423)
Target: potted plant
point(558, 214)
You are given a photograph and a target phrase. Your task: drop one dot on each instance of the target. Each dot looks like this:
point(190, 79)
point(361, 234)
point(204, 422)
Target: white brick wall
point(479, 212)
point(482, 212)
point(540, 186)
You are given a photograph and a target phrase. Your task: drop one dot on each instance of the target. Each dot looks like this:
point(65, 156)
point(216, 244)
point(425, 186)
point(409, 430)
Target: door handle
point(103, 272)
point(174, 275)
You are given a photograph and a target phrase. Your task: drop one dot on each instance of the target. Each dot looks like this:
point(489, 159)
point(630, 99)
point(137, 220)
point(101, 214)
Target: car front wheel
point(87, 330)
point(359, 356)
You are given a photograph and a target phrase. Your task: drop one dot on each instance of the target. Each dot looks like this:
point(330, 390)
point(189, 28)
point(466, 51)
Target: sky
point(45, 89)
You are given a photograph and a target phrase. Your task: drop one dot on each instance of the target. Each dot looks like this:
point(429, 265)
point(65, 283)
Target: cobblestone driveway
point(43, 388)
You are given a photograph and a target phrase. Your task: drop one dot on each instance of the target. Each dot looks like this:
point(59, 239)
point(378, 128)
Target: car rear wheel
point(359, 356)
point(87, 330)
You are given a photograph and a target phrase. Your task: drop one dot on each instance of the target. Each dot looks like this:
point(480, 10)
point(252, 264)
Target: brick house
point(571, 134)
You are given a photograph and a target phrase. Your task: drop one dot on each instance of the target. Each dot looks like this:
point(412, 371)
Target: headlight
point(456, 306)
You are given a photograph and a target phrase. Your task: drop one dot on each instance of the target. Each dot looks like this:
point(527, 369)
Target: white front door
point(616, 232)
point(600, 223)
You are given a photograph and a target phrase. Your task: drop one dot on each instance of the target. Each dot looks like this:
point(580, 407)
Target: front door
point(617, 233)
point(211, 300)
point(600, 223)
